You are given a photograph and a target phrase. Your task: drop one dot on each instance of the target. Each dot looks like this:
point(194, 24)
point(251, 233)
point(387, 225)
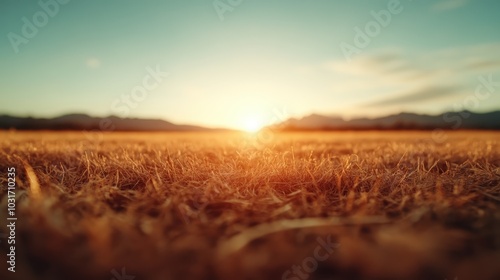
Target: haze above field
point(251, 64)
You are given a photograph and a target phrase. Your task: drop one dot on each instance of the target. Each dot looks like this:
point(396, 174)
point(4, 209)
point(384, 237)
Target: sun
point(252, 123)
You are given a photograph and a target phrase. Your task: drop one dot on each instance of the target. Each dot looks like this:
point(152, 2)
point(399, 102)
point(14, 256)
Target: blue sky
point(231, 64)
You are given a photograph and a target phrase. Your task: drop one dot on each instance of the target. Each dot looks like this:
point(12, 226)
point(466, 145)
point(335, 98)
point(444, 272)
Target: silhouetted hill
point(450, 120)
point(85, 122)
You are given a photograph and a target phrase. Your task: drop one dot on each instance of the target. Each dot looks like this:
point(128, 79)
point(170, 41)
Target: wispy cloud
point(417, 96)
point(393, 77)
point(445, 5)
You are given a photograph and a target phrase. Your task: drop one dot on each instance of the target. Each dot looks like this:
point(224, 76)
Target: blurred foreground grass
point(397, 205)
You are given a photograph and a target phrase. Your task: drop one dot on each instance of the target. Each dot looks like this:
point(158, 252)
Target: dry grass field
point(336, 205)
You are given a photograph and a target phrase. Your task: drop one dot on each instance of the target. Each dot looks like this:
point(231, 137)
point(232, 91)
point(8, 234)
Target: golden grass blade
point(239, 241)
point(35, 191)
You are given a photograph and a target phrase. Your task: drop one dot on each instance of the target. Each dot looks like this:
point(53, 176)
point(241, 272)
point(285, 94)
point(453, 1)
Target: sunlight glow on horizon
point(252, 123)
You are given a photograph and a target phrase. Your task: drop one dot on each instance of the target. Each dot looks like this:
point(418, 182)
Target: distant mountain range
point(450, 120)
point(85, 122)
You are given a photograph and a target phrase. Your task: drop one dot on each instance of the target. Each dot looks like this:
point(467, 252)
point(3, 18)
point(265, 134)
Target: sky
point(234, 63)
